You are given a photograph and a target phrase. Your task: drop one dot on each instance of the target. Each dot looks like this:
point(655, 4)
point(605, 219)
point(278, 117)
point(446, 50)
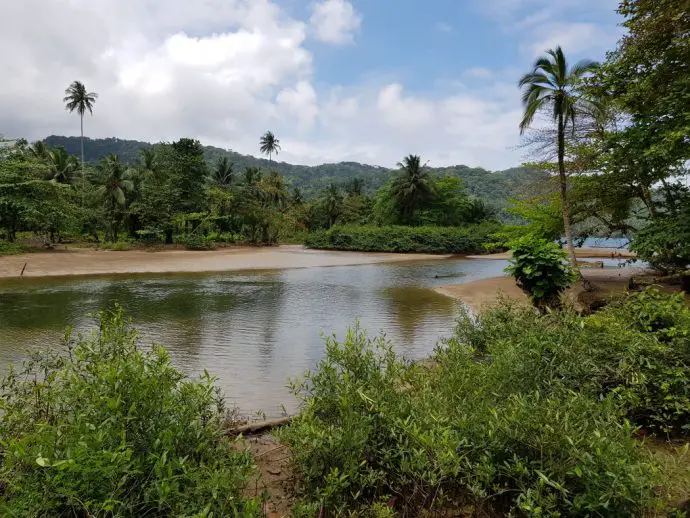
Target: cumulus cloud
point(225, 71)
point(335, 21)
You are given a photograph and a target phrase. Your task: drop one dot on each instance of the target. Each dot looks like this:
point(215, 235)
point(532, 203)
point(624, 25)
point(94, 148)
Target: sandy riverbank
point(607, 281)
point(76, 261)
point(582, 253)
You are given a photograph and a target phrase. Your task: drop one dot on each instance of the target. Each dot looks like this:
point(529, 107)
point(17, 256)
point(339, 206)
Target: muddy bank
point(582, 253)
point(75, 261)
point(607, 282)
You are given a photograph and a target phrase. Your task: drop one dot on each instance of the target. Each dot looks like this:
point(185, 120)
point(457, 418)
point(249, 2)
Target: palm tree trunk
point(564, 192)
point(83, 170)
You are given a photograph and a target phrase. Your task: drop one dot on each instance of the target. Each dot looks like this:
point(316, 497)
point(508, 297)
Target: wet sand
point(75, 261)
point(582, 253)
point(476, 294)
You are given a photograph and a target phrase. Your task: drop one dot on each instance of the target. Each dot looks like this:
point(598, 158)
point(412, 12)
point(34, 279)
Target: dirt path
point(75, 261)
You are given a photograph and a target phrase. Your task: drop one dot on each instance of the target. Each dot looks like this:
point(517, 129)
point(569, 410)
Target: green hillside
point(493, 187)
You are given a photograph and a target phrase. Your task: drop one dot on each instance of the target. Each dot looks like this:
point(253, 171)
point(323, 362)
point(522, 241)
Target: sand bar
point(476, 294)
point(79, 261)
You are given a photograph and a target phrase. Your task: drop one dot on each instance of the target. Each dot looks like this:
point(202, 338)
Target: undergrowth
point(109, 430)
point(432, 240)
point(521, 414)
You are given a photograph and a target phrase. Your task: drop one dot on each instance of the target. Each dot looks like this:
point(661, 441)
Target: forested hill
point(493, 187)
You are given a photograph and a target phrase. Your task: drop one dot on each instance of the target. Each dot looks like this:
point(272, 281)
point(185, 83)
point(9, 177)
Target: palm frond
point(581, 68)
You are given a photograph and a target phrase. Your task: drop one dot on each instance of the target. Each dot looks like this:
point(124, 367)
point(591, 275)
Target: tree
point(412, 188)
point(39, 150)
point(114, 184)
point(333, 204)
point(61, 164)
point(148, 162)
point(77, 98)
point(222, 173)
point(269, 144)
point(551, 85)
point(649, 76)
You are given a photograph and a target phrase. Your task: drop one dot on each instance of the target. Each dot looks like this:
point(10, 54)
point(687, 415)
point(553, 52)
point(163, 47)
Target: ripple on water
point(253, 331)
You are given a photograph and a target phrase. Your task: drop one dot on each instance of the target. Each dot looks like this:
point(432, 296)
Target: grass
point(7, 248)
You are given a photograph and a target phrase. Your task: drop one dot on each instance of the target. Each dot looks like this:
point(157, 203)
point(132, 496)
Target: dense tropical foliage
point(111, 430)
point(172, 193)
point(521, 414)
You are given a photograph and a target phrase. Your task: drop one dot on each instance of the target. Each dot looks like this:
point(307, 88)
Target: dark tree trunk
point(564, 192)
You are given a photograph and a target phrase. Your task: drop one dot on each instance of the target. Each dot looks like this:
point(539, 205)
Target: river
point(252, 330)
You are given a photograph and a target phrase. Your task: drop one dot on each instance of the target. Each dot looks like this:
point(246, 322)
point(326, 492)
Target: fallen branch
point(261, 426)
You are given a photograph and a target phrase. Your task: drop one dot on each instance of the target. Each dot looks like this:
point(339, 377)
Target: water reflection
point(252, 330)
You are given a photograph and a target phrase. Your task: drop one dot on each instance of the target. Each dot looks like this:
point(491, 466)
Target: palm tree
point(269, 144)
point(412, 188)
point(552, 86)
point(39, 150)
point(148, 162)
point(61, 165)
point(333, 204)
point(252, 175)
point(114, 183)
point(77, 98)
point(222, 174)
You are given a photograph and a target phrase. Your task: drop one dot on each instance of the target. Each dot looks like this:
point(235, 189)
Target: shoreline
point(485, 292)
point(581, 253)
point(77, 262)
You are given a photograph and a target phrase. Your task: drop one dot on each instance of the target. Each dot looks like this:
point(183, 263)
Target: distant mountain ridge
point(495, 188)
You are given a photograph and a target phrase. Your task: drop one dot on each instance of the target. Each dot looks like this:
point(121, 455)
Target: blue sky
point(365, 80)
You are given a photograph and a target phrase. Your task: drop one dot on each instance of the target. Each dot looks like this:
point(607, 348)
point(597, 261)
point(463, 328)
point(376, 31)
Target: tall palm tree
point(412, 188)
point(77, 98)
point(553, 86)
point(223, 172)
point(114, 183)
point(269, 144)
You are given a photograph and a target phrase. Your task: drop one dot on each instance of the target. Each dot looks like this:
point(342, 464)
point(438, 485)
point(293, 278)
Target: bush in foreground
point(431, 240)
point(521, 414)
point(109, 430)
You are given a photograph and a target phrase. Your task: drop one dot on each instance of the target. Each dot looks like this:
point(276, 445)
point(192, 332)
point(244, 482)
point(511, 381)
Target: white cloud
point(444, 28)
point(544, 24)
point(575, 39)
point(300, 102)
point(225, 71)
point(335, 21)
point(479, 73)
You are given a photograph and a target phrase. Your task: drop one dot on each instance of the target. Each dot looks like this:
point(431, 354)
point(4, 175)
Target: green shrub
point(636, 350)
point(151, 236)
point(7, 248)
point(198, 242)
point(110, 430)
point(665, 243)
point(540, 269)
point(223, 237)
point(432, 240)
point(466, 434)
point(118, 246)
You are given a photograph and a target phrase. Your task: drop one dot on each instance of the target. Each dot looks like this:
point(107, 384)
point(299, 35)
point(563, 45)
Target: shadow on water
point(251, 330)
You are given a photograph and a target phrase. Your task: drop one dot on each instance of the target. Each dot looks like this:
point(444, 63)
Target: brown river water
point(253, 330)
